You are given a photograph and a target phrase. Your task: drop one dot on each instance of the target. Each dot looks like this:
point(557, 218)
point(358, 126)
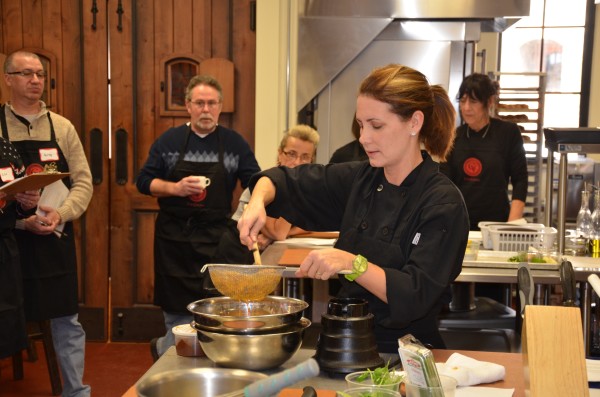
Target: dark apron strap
point(3, 122)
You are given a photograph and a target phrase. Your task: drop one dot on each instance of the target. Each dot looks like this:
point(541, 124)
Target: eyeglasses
point(293, 156)
point(28, 73)
point(210, 104)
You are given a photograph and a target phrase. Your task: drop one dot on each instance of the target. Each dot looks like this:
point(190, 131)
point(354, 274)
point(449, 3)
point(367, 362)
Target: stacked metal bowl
point(253, 335)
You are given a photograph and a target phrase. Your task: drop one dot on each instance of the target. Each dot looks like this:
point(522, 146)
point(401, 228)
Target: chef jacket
point(416, 232)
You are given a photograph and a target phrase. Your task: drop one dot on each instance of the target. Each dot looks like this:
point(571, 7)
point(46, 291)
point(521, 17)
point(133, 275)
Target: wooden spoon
point(255, 250)
point(256, 253)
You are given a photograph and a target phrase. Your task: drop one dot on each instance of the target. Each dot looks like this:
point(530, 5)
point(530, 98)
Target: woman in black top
point(488, 154)
point(403, 225)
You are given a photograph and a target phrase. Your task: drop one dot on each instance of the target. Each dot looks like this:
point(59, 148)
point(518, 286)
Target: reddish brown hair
point(407, 90)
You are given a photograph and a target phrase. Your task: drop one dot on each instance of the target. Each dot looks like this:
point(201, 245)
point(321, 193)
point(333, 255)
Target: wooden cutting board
point(298, 393)
point(293, 256)
point(318, 235)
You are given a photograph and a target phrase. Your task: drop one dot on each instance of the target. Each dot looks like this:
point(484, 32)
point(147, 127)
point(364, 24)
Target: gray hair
point(8, 62)
point(203, 80)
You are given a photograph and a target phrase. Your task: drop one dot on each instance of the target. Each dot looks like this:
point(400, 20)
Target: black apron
point(49, 263)
point(481, 179)
point(187, 233)
point(13, 336)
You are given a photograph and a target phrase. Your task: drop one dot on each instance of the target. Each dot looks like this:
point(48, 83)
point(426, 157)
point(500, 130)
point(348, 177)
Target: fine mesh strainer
point(244, 282)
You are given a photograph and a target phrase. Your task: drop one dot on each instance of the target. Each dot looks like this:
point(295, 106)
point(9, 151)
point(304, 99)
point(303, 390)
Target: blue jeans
point(69, 342)
point(171, 319)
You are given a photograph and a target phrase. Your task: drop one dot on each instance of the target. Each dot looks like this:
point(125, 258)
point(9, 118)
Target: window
point(551, 40)
point(176, 72)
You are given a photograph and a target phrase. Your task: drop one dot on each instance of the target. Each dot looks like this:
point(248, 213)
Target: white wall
point(272, 37)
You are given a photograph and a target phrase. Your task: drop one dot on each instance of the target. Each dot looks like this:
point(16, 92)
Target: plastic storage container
point(520, 238)
point(186, 341)
point(484, 226)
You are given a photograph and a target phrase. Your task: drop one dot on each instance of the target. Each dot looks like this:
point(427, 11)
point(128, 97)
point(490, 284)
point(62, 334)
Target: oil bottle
point(594, 239)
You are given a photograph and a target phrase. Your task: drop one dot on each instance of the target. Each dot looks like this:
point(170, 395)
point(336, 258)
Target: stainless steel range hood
point(416, 9)
point(333, 32)
point(340, 41)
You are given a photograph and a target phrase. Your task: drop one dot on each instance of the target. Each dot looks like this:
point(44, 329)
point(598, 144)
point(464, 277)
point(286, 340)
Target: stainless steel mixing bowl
point(253, 352)
point(196, 382)
point(228, 315)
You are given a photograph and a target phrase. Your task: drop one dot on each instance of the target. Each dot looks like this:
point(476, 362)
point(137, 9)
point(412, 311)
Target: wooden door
point(113, 60)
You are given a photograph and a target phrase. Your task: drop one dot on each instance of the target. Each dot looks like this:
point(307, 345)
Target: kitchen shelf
point(582, 140)
point(515, 91)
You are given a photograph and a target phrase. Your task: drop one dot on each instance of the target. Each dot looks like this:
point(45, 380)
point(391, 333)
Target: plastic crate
point(484, 226)
point(520, 238)
point(486, 237)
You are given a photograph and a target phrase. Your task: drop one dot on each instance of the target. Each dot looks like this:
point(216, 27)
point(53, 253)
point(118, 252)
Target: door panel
point(94, 108)
point(115, 236)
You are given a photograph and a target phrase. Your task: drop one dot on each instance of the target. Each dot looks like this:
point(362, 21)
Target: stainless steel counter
point(472, 271)
point(171, 361)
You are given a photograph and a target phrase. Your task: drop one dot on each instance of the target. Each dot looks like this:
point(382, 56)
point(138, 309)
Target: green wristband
point(359, 266)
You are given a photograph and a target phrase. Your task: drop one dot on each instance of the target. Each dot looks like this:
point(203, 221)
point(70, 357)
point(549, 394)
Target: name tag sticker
point(6, 174)
point(50, 154)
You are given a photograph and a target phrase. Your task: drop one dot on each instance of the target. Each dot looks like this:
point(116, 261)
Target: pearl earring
point(413, 133)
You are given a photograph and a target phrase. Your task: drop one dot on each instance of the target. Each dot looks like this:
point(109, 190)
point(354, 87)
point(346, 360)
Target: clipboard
point(30, 182)
point(327, 235)
point(293, 256)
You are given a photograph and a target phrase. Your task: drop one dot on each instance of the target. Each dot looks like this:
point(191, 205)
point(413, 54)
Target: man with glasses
point(192, 216)
point(46, 140)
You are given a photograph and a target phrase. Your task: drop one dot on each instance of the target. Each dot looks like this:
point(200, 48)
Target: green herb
point(381, 376)
point(526, 257)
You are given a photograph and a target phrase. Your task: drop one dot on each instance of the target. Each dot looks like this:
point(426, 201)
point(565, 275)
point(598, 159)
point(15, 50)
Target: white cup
point(203, 181)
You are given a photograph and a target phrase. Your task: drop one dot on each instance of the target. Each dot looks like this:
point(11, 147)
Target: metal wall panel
point(337, 103)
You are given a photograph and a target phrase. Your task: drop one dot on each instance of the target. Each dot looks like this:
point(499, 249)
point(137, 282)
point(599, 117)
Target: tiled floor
point(111, 368)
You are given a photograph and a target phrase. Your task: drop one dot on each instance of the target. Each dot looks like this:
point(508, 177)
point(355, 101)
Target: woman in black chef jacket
point(13, 337)
point(403, 225)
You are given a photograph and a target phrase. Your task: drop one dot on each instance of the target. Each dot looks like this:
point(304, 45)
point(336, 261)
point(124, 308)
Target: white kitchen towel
point(593, 370)
point(468, 372)
point(483, 391)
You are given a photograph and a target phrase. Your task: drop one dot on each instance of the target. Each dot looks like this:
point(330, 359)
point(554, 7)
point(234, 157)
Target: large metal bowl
point(253, 352)
point(196, 382)
point(224, 314)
